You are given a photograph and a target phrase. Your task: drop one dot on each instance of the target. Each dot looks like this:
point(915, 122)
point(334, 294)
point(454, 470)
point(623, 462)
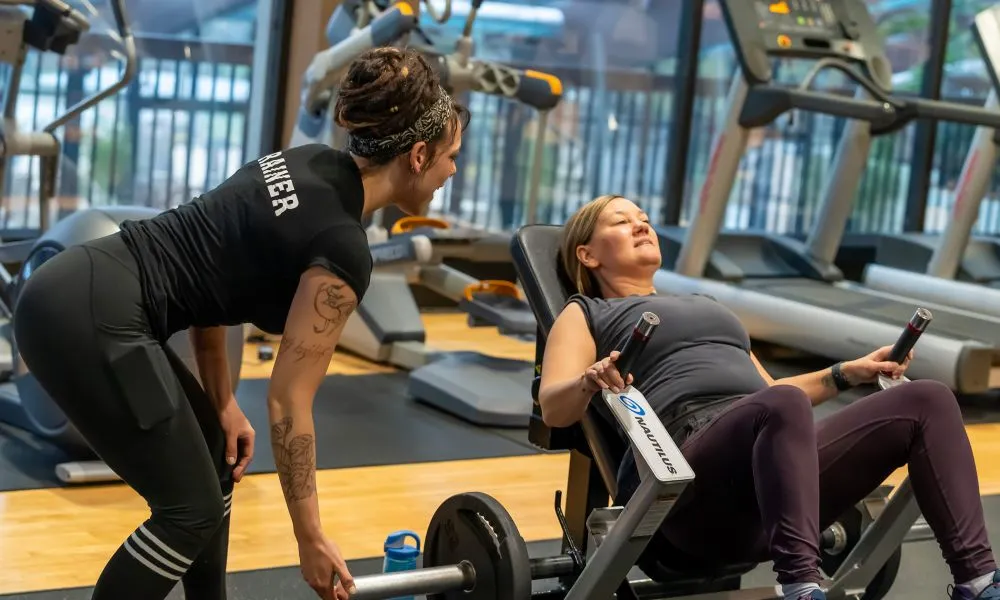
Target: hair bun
point(385, 91)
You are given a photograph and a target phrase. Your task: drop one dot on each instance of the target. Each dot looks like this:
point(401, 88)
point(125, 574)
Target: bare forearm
point(818, 385)
point(293, 441)
point(213, 362)
point(565, 402)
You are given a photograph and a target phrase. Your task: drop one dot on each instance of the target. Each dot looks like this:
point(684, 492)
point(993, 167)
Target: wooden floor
point(59, 538)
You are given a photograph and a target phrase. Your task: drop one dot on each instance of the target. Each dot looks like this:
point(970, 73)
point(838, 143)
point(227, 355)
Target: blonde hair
point(577, 231)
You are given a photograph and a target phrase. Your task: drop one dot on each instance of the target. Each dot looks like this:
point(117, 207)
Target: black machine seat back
point(547, 287)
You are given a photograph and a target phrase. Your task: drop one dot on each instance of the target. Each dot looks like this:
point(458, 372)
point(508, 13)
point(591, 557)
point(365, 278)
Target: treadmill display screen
point(809, 17)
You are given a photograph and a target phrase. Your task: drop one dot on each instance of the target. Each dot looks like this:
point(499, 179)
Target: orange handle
point(492, 286)
point(407, 224)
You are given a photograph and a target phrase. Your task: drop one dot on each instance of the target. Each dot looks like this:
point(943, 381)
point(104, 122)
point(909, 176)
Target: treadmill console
point(763, 30)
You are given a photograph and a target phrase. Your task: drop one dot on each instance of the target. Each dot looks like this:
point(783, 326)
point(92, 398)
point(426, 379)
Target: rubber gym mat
point(923, 574)
point(368, 420)
point(361, 420)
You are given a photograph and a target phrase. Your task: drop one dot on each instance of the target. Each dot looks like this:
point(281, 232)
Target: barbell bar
point(448, 578)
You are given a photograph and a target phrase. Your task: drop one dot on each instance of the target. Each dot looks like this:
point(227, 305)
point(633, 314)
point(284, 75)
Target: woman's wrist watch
point(839, 379)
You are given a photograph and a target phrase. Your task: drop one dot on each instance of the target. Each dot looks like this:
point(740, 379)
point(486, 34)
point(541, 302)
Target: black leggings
point(769, 480)
point(81, 329)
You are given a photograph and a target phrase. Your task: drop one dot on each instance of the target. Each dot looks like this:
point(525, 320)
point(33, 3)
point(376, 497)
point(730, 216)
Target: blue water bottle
point(400, 556)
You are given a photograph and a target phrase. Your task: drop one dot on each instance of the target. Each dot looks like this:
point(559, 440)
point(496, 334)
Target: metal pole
point(685, 88)
point(926, 129)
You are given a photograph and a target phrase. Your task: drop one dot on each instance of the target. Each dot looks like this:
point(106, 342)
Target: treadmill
point(953, 268)
point(485, 390)
point(788, 292)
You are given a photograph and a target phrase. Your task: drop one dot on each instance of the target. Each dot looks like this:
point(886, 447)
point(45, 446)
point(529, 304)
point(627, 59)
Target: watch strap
point(839, 379)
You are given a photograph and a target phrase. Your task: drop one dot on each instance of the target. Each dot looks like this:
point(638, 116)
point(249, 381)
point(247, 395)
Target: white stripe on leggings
point(152, 554)
point(147, 564)
point(228, 502)
point(173, 553)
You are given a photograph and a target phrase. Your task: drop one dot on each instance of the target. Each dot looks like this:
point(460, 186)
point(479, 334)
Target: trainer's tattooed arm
point(295, 459)
point(334, 303)
point(319, 311)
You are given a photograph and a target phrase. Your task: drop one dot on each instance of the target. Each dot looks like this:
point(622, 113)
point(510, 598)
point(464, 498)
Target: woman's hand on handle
point(867, 368)
point(604, 375)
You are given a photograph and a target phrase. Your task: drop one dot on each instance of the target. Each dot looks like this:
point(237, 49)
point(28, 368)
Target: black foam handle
point(635, 343)
point(911, 333)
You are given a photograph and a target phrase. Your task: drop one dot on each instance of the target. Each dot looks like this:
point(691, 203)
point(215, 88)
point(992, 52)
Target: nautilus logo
point(631, 405)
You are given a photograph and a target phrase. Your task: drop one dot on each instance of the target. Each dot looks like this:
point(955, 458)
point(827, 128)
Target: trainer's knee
point(787, 404)
point(195, 521)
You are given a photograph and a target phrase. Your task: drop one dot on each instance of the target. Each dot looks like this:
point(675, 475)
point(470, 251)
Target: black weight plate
point(885, 578)
point(476, 528)
point(851, 522)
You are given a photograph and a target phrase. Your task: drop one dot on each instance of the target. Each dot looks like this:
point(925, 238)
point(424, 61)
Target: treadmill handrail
point(766, 102)
point(941, 110)
point(867, 110)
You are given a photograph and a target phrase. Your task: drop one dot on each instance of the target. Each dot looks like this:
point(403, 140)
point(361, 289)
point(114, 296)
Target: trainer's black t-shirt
point(235, 254)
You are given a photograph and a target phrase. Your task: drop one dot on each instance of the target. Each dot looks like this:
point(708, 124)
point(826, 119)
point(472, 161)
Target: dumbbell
point(473, 550)
point(907, 339)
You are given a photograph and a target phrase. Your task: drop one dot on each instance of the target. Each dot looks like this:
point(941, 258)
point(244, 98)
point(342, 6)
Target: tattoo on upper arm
point(333, 306)
point(295, 460)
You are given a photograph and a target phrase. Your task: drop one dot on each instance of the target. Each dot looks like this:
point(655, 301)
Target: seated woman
point(768, 479)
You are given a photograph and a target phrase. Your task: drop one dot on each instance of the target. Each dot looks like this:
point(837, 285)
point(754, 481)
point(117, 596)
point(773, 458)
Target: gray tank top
point(698, 355)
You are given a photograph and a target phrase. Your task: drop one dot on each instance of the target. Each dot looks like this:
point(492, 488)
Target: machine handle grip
point(398, 20)
point(911, 333)
point(416, 249)
point(497, 287)
point(408, 224)
point(542, 91)
point(635, 343)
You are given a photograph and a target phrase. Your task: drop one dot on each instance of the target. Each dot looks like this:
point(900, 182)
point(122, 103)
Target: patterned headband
point(427, 127)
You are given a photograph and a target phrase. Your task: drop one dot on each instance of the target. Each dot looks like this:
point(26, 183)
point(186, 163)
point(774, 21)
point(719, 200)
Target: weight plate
point(476, 528)
point(880, 585)
point(851, 523)
point(885, 578)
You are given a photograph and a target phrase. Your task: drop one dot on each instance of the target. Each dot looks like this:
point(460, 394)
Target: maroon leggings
point(768, 481)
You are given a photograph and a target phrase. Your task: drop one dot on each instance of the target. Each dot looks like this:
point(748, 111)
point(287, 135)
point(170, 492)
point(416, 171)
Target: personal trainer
point(769, 480)
point(281, 245)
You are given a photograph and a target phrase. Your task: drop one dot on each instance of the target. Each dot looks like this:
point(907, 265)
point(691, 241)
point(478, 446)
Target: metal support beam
point(685, 86)
point(925, 134)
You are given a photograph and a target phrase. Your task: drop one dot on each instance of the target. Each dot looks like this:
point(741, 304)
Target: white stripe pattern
point(228, 502)
point(151, 554)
